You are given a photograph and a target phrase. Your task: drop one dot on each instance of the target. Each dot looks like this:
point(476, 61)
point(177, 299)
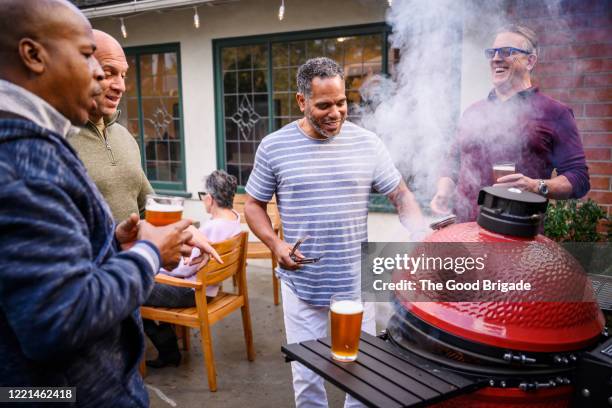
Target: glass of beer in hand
point(163, 210)
point(346, 311)
point(503, 169)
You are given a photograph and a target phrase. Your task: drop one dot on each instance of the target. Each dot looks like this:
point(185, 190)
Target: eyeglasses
point(202, 194)
point(504, 52)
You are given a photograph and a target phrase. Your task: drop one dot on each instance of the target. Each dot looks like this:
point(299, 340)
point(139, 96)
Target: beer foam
point(347, 307)
point(163, 207)
point(507, 167)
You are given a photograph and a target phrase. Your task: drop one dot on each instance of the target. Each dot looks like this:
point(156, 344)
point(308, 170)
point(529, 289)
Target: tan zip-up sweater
point(112, 159)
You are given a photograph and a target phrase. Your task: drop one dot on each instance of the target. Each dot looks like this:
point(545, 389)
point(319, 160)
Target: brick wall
point(575, 67)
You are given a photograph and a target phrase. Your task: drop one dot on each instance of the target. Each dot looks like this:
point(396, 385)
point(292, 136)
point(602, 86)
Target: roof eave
point(139, 6)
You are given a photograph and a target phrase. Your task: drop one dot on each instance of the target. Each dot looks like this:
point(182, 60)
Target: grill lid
point(511, 211)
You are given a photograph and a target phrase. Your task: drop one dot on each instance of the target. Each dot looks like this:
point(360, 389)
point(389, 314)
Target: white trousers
point(306, 322)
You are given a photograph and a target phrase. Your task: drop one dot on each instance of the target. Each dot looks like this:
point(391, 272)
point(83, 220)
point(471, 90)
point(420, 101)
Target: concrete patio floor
point(265, 382)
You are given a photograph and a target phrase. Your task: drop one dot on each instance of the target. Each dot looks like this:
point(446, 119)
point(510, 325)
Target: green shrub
point(575, 221)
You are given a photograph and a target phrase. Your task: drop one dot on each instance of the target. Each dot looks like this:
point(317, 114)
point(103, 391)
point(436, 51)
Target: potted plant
point(583, 229)
point(576, 221)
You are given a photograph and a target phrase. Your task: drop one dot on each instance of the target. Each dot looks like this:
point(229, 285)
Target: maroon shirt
point(532, 130)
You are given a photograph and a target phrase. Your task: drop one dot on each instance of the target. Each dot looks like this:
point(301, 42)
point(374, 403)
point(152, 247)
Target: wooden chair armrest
point(172, 281)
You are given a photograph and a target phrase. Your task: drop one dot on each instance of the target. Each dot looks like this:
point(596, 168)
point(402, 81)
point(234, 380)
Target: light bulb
point(196, 18)
point(123, 29)
point(390, 2)
point(281, 11)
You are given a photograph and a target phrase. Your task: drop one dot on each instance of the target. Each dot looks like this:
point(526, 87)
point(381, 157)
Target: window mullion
point(270, 90)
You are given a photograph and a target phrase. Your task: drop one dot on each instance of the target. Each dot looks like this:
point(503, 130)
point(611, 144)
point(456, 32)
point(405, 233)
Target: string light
point(196, 18)
point(281, 11)
point(123, 29)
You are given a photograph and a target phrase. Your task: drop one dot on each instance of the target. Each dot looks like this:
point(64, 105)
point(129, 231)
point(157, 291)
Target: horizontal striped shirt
point(322, 189)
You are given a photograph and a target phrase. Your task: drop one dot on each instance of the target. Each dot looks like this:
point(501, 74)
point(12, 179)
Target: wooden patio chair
point(233, 253)
point(257, 249)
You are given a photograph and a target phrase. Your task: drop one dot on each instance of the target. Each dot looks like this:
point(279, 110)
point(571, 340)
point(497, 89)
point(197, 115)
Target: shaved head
point(112, 59)
point(106, 43)
point(46, 47)
point(35, 19)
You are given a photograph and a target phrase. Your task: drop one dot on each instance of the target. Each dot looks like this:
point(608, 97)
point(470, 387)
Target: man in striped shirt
point(321, 169)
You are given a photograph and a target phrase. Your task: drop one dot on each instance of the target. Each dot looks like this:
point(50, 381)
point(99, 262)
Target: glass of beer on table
point(163, 210)
point(503, 169)
point(346, 313)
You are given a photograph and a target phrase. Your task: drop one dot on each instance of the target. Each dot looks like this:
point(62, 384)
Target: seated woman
point(224, 223)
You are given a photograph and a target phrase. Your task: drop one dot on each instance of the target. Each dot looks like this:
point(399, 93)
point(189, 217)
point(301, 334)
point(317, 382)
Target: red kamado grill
point(529, 353)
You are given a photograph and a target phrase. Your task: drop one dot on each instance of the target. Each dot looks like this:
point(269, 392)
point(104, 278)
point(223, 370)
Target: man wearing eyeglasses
point(516, 125)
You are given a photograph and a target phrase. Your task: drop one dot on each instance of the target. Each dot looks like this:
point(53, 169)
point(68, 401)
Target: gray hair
point(321, 67)
point(527, 33)
point(221, 187)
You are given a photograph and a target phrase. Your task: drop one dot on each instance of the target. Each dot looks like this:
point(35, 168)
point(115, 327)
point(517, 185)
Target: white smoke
point(416, 111)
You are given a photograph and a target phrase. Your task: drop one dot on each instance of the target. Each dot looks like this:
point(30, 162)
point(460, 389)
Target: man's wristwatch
point(542, 188)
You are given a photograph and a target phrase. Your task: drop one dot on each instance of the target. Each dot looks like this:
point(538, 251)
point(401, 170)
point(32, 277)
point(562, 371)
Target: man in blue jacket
point(68, 297)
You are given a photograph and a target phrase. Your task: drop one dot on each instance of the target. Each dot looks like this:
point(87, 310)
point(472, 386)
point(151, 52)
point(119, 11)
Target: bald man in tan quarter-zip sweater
point(108, 150)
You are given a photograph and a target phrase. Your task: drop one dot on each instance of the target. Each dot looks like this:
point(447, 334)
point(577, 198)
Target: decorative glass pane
point(282, 104)
point(158, 64)
point(293, 79)
point(231, 105)
point(175, 150)
point(352, 80)
point(228, 55)
point(244, 57)
point(315, 48)
point(246, 100)
point(280, 79)
point(259, 81)
point(245, 112)
point(260, 56)
point(353, 97)
point(159, 113)
point(232, 152)
point(245, 118)
point(151, 170)
point(295, 108)
point(280, 122)
point(245, 172)
point(261, 130)
point(353, 52)
point(372, 55)
point(234, 170)
point(175, 171)
point(146, 65)
point(247, 153)
point(333, 49)
point(231, 130)
point(129, 110)
point(154, 77)
point(230, 82)
point(159, 85)
point(170, 65)
point(163, 171)
point(134, 129)
point(280, 54)
point(297, 53)
point(261, 104)
point(245, 82)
